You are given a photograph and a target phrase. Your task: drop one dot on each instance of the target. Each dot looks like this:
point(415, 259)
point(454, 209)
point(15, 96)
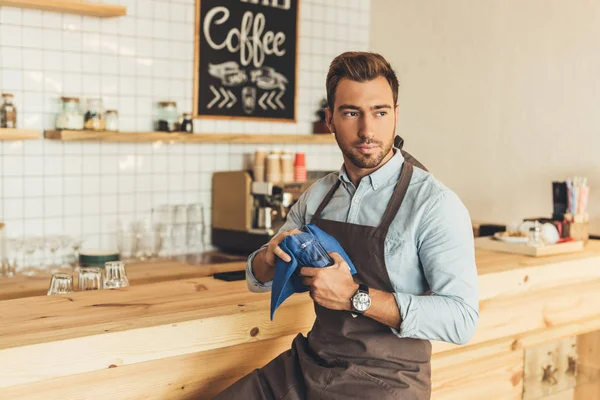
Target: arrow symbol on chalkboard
point(278, 99)
point(233, 99)
point(217, 96)
point(270, 100)
point(225, 97)
point(261, 101)
point(229, 98)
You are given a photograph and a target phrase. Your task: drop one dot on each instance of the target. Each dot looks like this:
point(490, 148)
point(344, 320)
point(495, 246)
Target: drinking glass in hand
point(115, 275)
point(90, 278)
point(61, 284)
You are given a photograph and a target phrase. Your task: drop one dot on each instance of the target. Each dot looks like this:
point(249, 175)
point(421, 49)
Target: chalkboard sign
point(245, 59)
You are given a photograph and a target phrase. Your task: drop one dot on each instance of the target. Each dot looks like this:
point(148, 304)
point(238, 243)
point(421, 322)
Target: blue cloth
point(307, 249)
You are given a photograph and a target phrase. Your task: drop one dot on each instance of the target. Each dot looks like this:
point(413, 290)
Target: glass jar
point(168, 117)
point(111, 120)
point(71, 117)
point(186, 124)
point(8, 112)
point(93, 117)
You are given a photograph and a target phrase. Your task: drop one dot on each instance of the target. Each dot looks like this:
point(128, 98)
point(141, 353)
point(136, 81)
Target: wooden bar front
point(190, 338)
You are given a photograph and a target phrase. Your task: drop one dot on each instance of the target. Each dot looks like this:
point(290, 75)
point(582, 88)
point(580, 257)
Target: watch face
point(361, 302)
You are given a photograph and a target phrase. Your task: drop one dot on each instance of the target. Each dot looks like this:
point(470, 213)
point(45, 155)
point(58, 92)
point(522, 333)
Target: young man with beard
point(410, 239)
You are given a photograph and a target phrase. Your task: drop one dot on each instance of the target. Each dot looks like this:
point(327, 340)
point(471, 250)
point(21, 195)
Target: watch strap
point(363, 288)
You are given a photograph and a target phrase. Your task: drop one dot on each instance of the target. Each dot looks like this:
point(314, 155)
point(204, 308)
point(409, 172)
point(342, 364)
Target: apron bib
point(346, 357)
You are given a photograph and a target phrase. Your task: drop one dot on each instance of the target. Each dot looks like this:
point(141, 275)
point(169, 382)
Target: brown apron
point(346, 357)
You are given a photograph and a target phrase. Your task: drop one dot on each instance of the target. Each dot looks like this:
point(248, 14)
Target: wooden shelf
point(18, 134)
point(128, 137)
point(70, 7)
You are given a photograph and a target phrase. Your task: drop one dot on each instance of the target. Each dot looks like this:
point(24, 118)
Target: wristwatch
point(361, 301)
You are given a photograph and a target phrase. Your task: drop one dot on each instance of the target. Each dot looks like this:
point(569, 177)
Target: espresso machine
point(247, 214)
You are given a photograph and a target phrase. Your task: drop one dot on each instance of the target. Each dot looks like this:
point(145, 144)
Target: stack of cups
point(287, 167)
point(274, 167)
point(260, 158)
point(300, 168)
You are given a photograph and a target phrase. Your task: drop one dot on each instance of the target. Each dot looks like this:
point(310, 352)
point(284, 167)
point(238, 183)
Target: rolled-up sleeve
point(447, 254)
point(253, 284)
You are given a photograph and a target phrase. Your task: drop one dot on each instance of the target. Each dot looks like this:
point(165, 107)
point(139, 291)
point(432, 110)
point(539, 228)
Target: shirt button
point(375, 186)
point(355, 201)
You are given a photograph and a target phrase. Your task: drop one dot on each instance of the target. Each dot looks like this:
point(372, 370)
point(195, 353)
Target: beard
point(361, 160)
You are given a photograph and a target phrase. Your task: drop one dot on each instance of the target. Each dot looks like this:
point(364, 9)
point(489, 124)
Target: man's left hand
point(331, 287)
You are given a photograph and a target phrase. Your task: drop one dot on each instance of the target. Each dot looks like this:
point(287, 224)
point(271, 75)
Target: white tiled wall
point(132, 62)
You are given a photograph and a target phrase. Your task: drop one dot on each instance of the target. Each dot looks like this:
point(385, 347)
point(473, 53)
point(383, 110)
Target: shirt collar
point(380, 176)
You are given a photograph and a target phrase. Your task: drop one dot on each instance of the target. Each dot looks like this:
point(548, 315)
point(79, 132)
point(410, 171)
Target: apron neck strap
point(393, 205)
point(326, 200)
point(398, 196)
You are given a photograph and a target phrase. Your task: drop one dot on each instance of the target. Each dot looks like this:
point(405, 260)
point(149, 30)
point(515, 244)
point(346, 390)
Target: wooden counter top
point(139, 273)
point(191, 337)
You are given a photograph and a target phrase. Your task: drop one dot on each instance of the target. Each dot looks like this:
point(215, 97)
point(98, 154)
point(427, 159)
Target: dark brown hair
point(360, 67)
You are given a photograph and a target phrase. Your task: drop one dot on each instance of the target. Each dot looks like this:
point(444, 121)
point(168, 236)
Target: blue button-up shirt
point(429, 249)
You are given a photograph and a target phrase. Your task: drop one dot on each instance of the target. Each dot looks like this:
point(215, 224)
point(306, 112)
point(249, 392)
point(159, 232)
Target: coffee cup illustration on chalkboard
point(249, 99)
point(246, 59)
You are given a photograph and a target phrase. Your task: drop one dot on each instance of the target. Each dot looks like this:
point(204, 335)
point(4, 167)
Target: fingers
point(273, 245)
point(282, 254)
point(308, 280)
point(274, 248)
point(338, 260)
point(336, 257)
point(309, 271)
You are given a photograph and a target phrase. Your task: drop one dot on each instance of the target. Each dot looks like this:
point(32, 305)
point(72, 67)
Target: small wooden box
point(576, 230)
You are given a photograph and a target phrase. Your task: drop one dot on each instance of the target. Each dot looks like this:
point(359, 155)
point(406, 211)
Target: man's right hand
point(263, 265)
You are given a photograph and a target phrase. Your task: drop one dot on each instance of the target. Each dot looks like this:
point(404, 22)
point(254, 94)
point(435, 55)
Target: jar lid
point(187, 115)
point(88, 258)
point(74, 99)
point(7, 95)
point(112, 112)
point(167, 103)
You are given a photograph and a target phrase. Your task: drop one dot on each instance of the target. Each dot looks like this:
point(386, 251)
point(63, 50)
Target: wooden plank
point(203, 375)
point(176, 328)
point(546, 369)
point(197, 375)
point(491, 262)
point(70, 6)
point(514, 316)
point(126, 347)
point(79, 314)
point(507, 283)
point(138, 273)
point(234, 138)
point(508, 316)
point(195, 311)
point(536, 277)
point(18, 134)
point(489, 243)
point(588, 352)
point(464, 376)
point(588, 391)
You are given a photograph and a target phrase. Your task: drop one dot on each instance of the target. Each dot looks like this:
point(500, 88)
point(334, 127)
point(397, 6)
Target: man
point(410, 239)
